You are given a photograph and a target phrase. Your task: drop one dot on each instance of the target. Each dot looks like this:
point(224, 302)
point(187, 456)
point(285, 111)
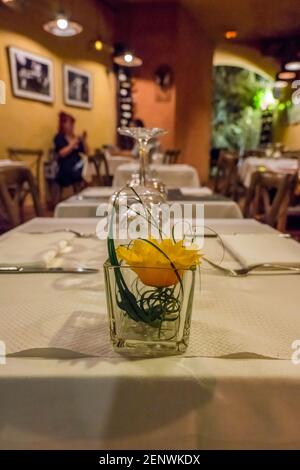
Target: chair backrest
point(20, 153)
point(100, 163)
point(171, 156)
point(291, 154)
point(254, 153)
point(226, 175)
point(268, 197)
point(14, 183)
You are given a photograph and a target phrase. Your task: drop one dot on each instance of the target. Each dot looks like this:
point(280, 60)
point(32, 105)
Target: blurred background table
point(174, 176)
point(85, 204)
point(252, 164)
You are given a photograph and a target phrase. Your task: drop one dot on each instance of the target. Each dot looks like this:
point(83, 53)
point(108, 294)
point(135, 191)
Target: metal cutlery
point(244, 271)
point(67, 230)
point(41, 270)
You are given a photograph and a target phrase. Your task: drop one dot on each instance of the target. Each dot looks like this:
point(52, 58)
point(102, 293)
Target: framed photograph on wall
point(31, 75)
point(77, 87)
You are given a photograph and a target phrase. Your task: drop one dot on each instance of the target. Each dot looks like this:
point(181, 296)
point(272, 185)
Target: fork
point(244, 271)
point(67, 230)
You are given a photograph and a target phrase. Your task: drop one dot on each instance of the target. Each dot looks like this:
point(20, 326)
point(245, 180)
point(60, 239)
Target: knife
point(41, 270)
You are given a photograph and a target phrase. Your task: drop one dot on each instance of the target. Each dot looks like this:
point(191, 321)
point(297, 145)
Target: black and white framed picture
point(31, 75)
point(77, 87)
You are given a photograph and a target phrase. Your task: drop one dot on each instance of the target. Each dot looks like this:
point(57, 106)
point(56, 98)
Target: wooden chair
point(103, 178)
point(269, 196)
point(171, 156)
point(226, 179)
point(260, 153)
point(20, 154)
point(13, 182)
point(291, 154)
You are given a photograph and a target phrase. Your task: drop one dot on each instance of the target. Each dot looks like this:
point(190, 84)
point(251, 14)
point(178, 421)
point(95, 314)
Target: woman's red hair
point(62, 118)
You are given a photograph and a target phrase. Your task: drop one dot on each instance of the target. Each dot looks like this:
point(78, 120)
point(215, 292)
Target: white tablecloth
point(116, 403)
point(6, 163)
point(251, 164)
point(115, 161)
point(173, 176)
point(83, 205)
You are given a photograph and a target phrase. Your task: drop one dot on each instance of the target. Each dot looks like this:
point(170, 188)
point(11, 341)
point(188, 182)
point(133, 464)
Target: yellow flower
point(159, 263)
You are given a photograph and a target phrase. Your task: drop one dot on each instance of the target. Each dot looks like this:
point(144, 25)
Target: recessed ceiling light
point(232, 34)
point(293, 65)
point(62, 27)
point(286, 75)
point(128, 59)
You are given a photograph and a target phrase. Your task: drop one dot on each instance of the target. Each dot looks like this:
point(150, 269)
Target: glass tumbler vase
point(149, 320)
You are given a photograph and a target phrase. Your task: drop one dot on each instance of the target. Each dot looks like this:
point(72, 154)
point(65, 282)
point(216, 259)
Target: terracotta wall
point(151, 31)
point(194, 93)
point(167, 34)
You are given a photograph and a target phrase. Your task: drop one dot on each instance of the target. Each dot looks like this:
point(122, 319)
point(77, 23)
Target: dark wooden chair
point(14, 181)
point(254, 153)
point(291, 154)
point(171, 156)
point(34, 158)
point(226, 179)
point(103, 178)
point(269, 196)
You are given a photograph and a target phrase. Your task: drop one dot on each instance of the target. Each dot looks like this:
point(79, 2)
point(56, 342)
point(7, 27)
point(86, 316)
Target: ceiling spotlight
point(62, 27)
point(62, 23)
point(98, 45)
point(232, 34)
point(280, 84)
point(292, 66)
point(128, 59)
point(286, 75)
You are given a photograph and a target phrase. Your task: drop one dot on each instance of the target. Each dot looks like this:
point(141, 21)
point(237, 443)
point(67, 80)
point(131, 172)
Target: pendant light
point(62, 26)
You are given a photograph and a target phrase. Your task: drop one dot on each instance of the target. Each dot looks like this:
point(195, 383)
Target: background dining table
point(251, 164)
point(54, 397)
point(174, 175)
point(85, 203)
point(114, 161)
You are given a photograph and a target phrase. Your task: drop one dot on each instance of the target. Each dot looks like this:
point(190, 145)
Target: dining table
point(114, 161)
point(63, 387)
point(6, 162)
point(87, 202)
point(173, 175)
point(278, 165)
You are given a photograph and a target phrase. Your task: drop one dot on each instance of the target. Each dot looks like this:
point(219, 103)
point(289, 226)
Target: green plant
point(237, 114)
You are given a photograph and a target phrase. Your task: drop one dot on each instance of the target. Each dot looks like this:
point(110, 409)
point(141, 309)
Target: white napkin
point(199, 192)
point(45, 250)
point(98, 192)
point(250, 249)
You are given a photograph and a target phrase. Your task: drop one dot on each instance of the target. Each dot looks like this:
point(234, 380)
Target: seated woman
point(68, 147)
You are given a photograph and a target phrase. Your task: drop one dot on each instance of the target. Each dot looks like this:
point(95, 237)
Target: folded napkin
point(196, 191)
point(98, 192)
point(25, 249)
point(250, 249)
